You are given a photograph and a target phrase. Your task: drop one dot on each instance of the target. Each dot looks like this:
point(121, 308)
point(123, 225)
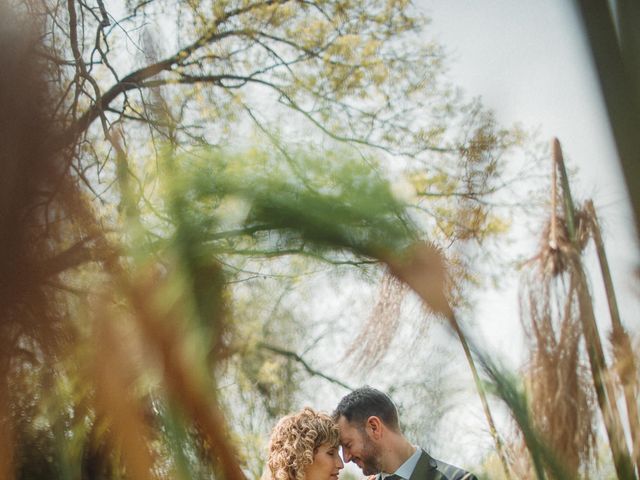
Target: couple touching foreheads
point(305, 445)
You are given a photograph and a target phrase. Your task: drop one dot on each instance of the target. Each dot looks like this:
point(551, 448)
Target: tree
point(135, 133)
point(359, 72)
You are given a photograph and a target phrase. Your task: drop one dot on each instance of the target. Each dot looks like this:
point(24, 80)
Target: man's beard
point(370, 458)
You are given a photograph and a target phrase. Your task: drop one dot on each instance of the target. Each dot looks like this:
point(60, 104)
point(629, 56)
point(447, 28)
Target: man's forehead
point(347, 430)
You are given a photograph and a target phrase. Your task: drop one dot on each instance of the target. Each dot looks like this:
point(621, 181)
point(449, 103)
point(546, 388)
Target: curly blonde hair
point(294, 441)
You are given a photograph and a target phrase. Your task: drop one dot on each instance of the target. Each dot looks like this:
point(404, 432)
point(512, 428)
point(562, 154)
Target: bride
point(304, 446)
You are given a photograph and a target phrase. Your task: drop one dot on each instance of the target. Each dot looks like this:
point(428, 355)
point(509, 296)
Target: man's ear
point(374, 427)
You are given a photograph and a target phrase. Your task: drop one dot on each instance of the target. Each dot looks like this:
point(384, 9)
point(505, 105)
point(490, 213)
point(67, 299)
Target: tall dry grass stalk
point(423, 268)
point(7, 461)
point(625, 366)
point(374, 339)
point(560, 392)
point(34, 228)
point(186, 384)
point(116, 405)
point(603, 380)
point(520, 463)
point(557, 310)
point(561, 397)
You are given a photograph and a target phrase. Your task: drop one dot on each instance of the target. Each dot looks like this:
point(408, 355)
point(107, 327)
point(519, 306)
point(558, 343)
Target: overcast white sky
point(529, 62)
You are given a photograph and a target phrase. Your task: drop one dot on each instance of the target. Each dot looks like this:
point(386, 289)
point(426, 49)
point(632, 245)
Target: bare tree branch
point(303, 362)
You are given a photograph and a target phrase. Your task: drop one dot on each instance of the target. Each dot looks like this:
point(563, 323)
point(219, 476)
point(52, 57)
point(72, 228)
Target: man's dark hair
point(365, 402)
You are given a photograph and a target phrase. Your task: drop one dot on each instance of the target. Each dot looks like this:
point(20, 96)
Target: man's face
point(358, 448)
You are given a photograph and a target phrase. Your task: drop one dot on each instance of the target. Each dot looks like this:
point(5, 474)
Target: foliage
point(210, 73)
point(138, 206)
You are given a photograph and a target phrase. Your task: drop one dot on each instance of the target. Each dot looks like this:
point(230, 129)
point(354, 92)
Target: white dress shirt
point(406, 469)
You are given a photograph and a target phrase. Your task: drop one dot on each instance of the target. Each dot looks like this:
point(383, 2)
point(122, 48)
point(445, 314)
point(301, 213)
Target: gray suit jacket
point(429, 468)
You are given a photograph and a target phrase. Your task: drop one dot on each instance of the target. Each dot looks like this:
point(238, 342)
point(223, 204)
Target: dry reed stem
point(160, 332)
point(114, 399)
point(35, 225)
point(624, 362)
point(374, 339)
point(185, 385)
point(423, 268)
point(625, 369)
point(520, 460)
point(561, 395)
point(6, 435)
point(602, 380)
point(625, 366)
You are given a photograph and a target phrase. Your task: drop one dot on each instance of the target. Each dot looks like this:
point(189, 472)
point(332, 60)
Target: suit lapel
point(425, 468)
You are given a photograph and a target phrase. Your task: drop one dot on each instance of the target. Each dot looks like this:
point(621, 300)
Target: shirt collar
point(406, 469)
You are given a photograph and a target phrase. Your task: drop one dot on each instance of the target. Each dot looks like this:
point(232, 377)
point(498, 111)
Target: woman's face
point(326, 464)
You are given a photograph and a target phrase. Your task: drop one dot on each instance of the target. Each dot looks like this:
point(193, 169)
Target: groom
point(371, 438)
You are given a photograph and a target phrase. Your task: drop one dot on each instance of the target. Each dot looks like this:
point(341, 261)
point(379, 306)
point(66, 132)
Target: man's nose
point(346, 456)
